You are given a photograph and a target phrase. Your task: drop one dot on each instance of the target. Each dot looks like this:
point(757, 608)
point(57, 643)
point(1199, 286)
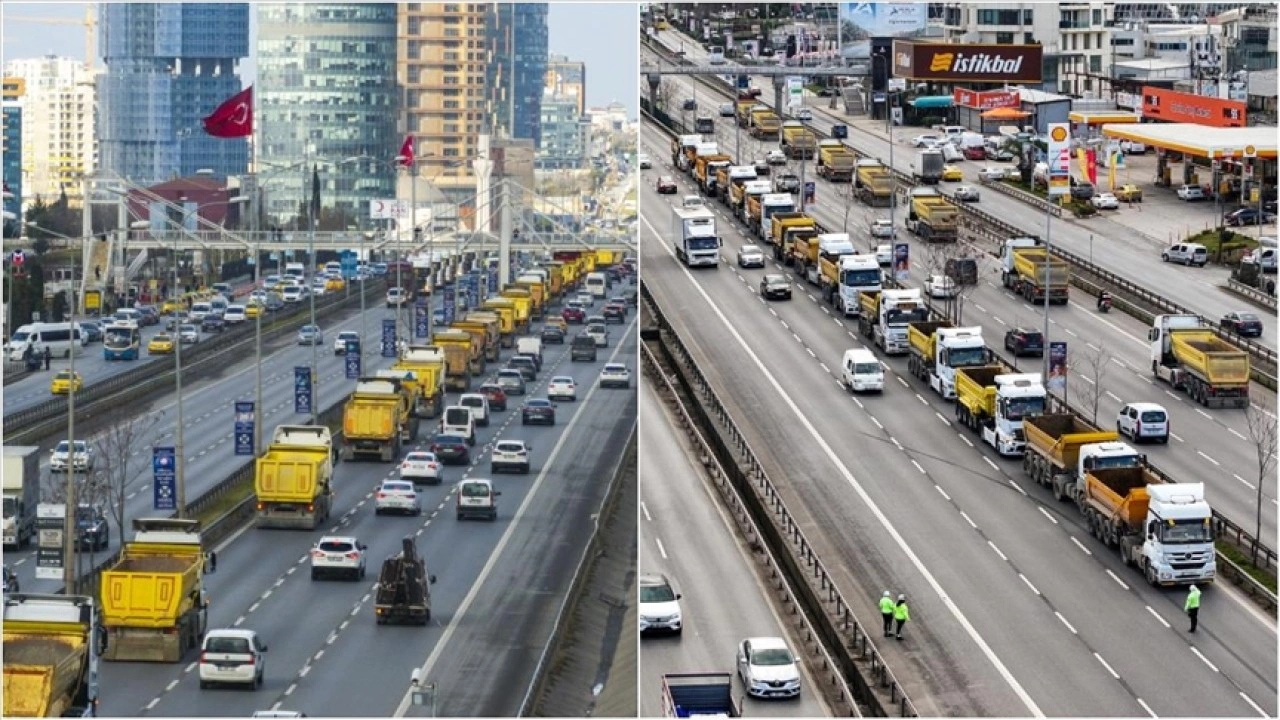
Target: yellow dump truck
point(50, 644)
point(479, 339)
point(802, 252)
point(505, 308)
point(784, 227)
point(537, 294)
point(486, 327)
point(932, 216)
point(742, 111)
point(1054, 441)
point(765, 124)
point(994, 400)
point(378, 419)
point(835, 161)
point(426, 365)
point(523, 305)
point(293, 479)
point(153, 602)
point(555, 280)
point(462, 358)
point(700, 174)
point(1194, 359)
point(797, 140)
point(874, 183)
point(1028, 270)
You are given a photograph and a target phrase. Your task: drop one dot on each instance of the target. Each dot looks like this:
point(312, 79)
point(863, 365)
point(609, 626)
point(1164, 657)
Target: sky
point(604, 35)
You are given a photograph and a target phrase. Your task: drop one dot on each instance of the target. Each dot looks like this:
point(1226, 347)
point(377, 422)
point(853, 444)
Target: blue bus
point(120, 342)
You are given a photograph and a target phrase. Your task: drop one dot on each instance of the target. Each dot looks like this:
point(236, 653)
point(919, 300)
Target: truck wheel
point(426, 617)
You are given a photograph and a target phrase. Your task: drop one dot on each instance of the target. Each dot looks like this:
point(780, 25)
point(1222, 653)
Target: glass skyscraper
point(326, 92)
point(518, 70)
point(11, 149)
point(168, 66)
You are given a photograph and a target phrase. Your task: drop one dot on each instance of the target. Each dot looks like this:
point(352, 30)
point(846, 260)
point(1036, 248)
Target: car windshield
point(562, 380)
point(62, 446)
point(772, 656)
point(539, 403)
point(656, 594)
point(448, 440)
point(510, 447)
point(1185, 531)
point(1019, 408)
point(703, 243)
point(472, 401)
point(615, 368)
point(866, 369)
point(392, 486)
point(419, 457)
point(475, 490)
point(967, 357)
point(750, 250)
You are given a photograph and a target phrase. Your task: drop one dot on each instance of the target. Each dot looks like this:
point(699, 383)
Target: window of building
point(1095, 64)
point(1004, 38)
point(1097, 17)
point(1029, 39)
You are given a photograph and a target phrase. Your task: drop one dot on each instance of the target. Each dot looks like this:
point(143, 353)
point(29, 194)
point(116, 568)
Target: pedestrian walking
point(48, 357)
point(1192, 606)
point(886, 612)
point(901, 614)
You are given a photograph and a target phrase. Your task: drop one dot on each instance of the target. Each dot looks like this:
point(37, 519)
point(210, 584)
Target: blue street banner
point(901, 262)
point(389, 337)
point(744, 82)
point(493, 281)
point(1057, 367)
point(450, 304)
point(164, 483)
point(480, 285)
point(352, 360)
point(302, 390)
point(244, 427)
point(421, 321)
point(348, 262)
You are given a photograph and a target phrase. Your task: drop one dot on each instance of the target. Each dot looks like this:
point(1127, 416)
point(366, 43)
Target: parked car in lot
point(750, 256)
point(1143, 421)
point(1191, 193)
point(1082, 190)
point(1250, 216)
point(775, 285)
point(1105, 201)
point(967, 193)
point(1242, 323)
point(539, 411)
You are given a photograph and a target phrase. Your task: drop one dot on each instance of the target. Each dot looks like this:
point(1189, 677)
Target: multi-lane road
point(686, 536)
point(1110, 354)
point(499, 585)
point(1016, 610)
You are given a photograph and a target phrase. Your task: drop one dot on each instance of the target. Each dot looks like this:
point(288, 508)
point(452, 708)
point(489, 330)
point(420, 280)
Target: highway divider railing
point(833, 622)
point(30, 424)
point(574, 594)
point(1018, 193)
point(746, 522)
point(1252, 294)
point(988, 226)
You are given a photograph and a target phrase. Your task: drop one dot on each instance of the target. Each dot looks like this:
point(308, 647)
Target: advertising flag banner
point(302, 390)
point(406, 157)
point(1091, 165)
point(389, 337)
point(450, 304)
point(164, 484)
point(351, 361)
point(901, 262)
point(421, 320)
point(1057, 367)
point(244, 427)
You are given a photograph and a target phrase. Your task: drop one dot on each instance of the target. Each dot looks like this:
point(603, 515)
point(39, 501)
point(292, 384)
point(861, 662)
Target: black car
point(583, 348)
point(451, 449)
point(1024, 341)
point(615, 312)
point(763, 168)
point(92, 530)
point(91, 331)
point(213, 323)
point(775, 286)
point(552, 335)
point(539, 411)
point(1244, 324)
point(1250, 216)
point(528, 370)
point(150, 314)
point(689, 104)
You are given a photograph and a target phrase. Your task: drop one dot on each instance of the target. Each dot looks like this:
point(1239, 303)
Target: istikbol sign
point(967, 63)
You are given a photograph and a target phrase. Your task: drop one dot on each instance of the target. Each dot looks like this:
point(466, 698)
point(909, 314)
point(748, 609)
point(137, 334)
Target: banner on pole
point(244, 428)
point(450, 304)
point(302, 390)
point(421, 320)
point(164, 485)
point(1057, 367)
point(389, 337)
point(901, 262)
point(50, 524)
point(351, 360)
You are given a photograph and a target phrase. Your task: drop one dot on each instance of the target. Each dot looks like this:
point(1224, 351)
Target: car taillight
point(382, 495)
point(252, 660)
point(204, 657)
point(317, 553)
point(411, 495)
point(432, 465)
point(353, 556)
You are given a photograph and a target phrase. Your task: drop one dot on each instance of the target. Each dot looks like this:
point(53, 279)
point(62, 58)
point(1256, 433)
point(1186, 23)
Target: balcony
point(1076, 25)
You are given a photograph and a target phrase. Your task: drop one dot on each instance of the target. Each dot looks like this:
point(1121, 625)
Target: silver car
point(750, 256)
point(310, 335)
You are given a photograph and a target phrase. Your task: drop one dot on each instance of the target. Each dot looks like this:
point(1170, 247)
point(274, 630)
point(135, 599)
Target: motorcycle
point(1104, 303)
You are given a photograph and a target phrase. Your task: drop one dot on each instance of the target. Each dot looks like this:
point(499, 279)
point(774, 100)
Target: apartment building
point(59, 144)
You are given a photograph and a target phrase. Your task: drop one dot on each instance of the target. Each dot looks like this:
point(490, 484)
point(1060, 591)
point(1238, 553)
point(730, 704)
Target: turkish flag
point(233, 118)
point(406, 157)
point(1091, 166)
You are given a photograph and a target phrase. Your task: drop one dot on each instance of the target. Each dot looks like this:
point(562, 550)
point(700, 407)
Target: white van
point(1187, 254)
point(597, 284)
point(218, 306)
point(861, 371)
point(458, 420)
point(297, 270)
point(232, 656)
point(199, 311)
point(61, 339)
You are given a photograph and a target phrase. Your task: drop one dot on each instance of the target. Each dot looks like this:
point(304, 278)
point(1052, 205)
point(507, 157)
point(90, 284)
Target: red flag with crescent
point(233, 118)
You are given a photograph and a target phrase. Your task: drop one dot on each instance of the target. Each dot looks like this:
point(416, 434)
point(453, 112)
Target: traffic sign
point(450, 304)
point(348, 262)
point(302, 390)
point(164, 483)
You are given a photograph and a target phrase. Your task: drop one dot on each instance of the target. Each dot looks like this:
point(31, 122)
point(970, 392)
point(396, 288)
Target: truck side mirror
point(433, 579)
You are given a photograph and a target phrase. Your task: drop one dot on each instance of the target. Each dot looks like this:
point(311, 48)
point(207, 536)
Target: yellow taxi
point(161, 344)
point(252, 309)
point(334, 284)
point(952, 173)
point(172, 305)
point(559, 322)
point(1129, 193)
point(66, 381)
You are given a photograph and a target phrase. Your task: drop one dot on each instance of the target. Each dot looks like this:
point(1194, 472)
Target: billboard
point(1180, 107)
point(861, 20)
point(986, 100)
point(946, 62)
point(1059, 157)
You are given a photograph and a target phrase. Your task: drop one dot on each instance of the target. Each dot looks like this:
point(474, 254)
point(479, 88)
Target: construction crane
point(90, 23)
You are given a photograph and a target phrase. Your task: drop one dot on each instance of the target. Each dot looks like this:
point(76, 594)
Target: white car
point(750, 256)
point(1143, 421)
point(991, 174)
point(882, 228)
point(940, 286)
point(338, 555)
point(967, 193)
point(599, 333)
point(615, 375)
point(1191, 192)
point(479, 404)
point(422, 468)
point(60, 456)
point(586, 300)
point(803, 113)
point(319, 286)
point(884, 255)
point(645, 162)
point(776, 157)
point(199, 311)
point(340, 342)
point(232, 656)
point(188, 334)
point(510, 455)
point(292, 294)
point(234, 315)
point(1105, 201)
point(727, 109)
point(396, 496)
point(659, 605)
point(562, 387)
point(396, 297)
point(926, 140)
point(767, 668)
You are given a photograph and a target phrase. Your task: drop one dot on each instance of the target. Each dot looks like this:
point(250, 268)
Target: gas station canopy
point(1200, 140)
point(1102, 118)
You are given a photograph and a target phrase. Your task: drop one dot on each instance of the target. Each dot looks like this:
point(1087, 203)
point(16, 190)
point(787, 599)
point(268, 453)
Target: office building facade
point(59, 142)
point(168, 66)
point(565, 133)
point(11, 150)
point(518, 37)
point(567, 78)
point(326, 96)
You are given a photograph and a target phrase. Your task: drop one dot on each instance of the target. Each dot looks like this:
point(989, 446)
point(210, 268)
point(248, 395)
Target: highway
point(323, 640)
point(996, 629)
point(208, 415)
point(686, 536)
point(1111, 356)
point(1122, 251)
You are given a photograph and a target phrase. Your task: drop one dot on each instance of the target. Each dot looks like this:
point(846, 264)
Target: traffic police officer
point(886, 612)
point(901, 614)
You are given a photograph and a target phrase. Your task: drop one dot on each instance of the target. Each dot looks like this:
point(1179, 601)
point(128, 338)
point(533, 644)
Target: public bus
point(121, 342)
point(61, 339)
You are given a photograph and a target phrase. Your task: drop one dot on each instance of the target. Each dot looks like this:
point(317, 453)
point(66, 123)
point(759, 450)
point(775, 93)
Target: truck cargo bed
point(41, 674)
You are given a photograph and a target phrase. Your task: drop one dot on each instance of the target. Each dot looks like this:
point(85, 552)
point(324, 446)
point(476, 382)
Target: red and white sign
point(989, 100)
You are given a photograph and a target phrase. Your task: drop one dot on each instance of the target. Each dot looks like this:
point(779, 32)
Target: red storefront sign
point(989, 100)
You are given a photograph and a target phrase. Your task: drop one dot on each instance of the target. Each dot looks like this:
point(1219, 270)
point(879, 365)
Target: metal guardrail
point(834, 621)
point(1031, 199)
point(1251, 294)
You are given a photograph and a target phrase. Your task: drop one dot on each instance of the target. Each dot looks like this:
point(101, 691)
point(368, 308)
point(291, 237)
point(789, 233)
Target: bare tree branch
point(1262, 424)
point(1094, 364)
point(121, 460)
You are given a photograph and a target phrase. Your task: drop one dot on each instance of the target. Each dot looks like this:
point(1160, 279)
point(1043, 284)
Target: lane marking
point(661, 549)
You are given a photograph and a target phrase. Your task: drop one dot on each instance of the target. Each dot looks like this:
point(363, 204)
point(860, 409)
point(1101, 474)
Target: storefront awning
point(1004, 113)
point(932, 101)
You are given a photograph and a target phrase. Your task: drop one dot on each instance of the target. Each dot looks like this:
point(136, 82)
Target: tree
point(1262, 424)
point(934, 260)
point(116, 466)
point(1096, 361)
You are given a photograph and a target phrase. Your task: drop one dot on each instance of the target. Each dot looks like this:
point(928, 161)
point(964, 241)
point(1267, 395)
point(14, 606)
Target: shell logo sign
point(1250, 151)
point(1058, 134)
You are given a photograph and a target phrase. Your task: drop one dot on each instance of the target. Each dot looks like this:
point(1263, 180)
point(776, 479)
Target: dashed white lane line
point(1200, 655)
point(1028, 583)
point(1156, 615)
point(153, 703)
point(941, 492)
point(877, 422)
point(1115, 577)
point(1064, 622)
point(1051, 518)
point(918, 467)
point(1147, 707)
point(1253, 704)
point(645, 510)
point(991, 463)
point(172, 684)
point(1106, 665)
point(661, 549)
point(944, 420)
point(969, 520)
point(997, 551)
point(1080, 545)
point(1206, 457)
